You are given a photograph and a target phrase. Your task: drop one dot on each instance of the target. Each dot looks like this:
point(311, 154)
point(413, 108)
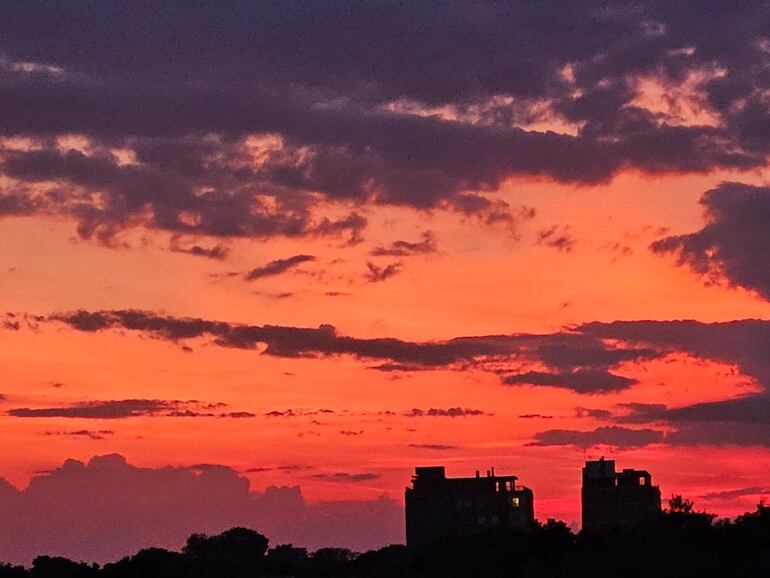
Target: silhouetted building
point(617, 499)
point(437, 506)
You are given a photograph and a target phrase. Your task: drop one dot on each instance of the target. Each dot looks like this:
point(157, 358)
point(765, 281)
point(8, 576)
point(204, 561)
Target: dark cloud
point(535, 416)
point(445, 412)
point(11, 322)
point(743, 344)
point(253, 118)
point(238, 414)
point(734, 245)
point(579, 360)
point(279, 468)
point(347, 477)
point(581, 351)
point(85, 433)
point(215, 252)
point(616, 436)
point(128, 408)
point(720, 434)
point(161, 507)
point(437, 447)
point(603, 414)
point(749, 409)
point(736, 493)
point(377, 273)
point(116, 409)
point(397, 367)
point(407, 248)
point(277, 267)
point(580, 380)
point(557, 237)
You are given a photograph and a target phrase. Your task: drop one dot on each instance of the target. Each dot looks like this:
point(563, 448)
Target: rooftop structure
point(613, 500)
point(438, 506)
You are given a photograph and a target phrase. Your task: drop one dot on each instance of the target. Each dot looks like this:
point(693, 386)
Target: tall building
point(613, 500)
point(438, 506)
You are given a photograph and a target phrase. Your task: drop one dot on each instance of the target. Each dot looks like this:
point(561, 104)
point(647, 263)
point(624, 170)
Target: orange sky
point(481, 281)
point(324, 247)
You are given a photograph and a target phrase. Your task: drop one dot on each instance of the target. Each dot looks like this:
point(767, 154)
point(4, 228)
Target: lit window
point(515, 502)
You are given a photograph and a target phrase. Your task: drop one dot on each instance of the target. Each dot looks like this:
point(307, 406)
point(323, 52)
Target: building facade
point(616, 500)
point(438, 506)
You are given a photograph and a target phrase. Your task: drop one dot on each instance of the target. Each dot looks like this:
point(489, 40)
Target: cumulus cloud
point(238, 132)
point(734, 245)
point(161, 507)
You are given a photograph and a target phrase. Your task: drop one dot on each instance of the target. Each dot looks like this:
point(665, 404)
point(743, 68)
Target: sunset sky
point(318, 244)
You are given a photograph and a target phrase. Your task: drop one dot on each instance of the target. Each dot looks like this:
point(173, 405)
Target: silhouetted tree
point(57, 567)
point(331, 561)
point(286, 560)
point(236, 552)
point(149, 563)
point(9, 571)
point(389, 561)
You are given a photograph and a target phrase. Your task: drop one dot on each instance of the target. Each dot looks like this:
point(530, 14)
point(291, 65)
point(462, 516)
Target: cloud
point(437, 447)
point(735, 242)
point(580, 380)
point(228, 137)
point(448, 412)
point(347, 477)
point(128, 408)
point(720, 434)
point(748, 409)
point(619, 437)
point(160, 507)
point(406, 248)
point(215, 252)
point(580, 359)
point(580, 352)
point(279, 468)
point(735, 493)
point(558, 238)
point(277, 267)
point(114, 409)
point(377, 274)
point(742, 344)
point(86, 433)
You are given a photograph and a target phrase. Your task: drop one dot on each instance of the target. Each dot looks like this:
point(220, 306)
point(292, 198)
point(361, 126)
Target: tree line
point(681, 541)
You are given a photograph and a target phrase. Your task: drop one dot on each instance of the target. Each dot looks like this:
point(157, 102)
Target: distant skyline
point(315, 245)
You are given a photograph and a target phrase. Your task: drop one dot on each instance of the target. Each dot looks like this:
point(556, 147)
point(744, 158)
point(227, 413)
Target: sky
point(261, 260)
